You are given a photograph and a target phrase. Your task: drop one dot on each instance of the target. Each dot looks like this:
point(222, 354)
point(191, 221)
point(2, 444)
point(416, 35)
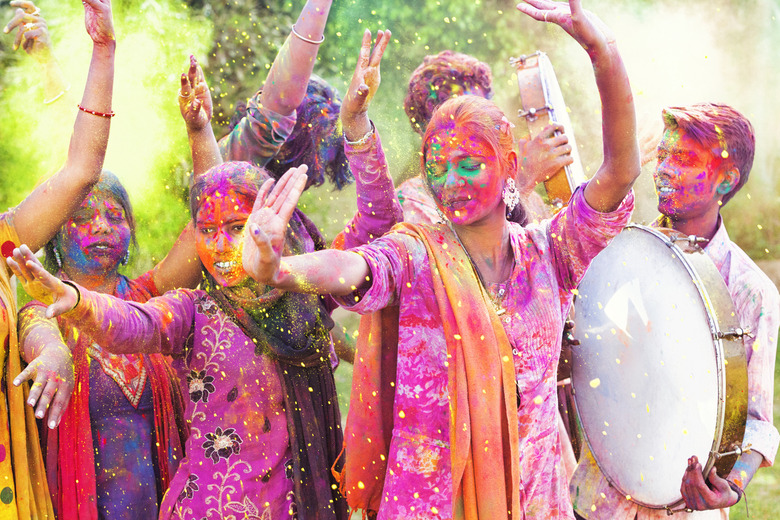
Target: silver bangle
point(55, 98)
point(305, 39)
point(363, 140)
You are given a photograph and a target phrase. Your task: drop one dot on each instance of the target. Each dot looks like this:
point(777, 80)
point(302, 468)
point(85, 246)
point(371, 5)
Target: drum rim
point(706, 301)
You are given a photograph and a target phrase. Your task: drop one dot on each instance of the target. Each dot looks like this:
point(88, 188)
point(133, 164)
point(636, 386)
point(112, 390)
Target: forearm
point(745, 468)
point(37, 332)
point(204, 149)
point(324, 272)
point(288, 78)
point(181, 267)
point(621, 165)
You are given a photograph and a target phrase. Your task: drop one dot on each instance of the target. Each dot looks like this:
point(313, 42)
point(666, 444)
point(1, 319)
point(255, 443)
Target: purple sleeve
point(378, 209)
point(392, 260)
point(163, 324)
point(258, 136)
point(578, 233)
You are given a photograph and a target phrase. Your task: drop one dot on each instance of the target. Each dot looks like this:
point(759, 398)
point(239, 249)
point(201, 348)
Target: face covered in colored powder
point(464, 174)
point(220, 234)
point(687, 176)
point(97, 236)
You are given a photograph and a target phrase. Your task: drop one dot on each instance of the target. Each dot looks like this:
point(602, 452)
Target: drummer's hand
point(582, 25)
point(543, 156)
point(715, 493)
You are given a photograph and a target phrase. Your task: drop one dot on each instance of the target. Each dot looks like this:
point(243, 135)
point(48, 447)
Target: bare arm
point(288, 78)
point(621, 166)
point(196, 108)
point(64, 192)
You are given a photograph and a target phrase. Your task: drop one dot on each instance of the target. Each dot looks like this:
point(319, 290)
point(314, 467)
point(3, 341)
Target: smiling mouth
point(101, 247)
point(225, 266)
point(664, 190)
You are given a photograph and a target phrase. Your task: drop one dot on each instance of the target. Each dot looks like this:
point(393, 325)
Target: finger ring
point(545, 15)
point(688, 510)
point(29, 26)
point(182, 95)
point(36, 12)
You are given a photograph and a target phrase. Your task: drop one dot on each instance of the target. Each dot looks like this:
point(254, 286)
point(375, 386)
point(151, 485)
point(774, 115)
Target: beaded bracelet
point(305, 39)
point(107, 115)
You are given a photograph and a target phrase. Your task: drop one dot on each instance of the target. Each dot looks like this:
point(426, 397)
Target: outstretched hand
point(32, 33)
point(40, 284)
point(195, 98)
point(715, 493)
point(582, 25)
point(364, 84)
point(266, 227)
point(99, 22)
point(543, 156)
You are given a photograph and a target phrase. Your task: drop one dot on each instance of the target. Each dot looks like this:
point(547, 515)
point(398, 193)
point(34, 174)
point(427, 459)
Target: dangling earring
point(57, 257)
point(126, 258)
point(511, 196)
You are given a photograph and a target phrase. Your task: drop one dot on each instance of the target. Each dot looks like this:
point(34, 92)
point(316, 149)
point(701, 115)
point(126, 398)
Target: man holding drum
point(704, 158)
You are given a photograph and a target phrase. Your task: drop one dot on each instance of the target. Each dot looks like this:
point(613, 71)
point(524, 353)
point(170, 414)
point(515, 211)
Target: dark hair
point(110, 185)
point(245, 178)
point(316, 140)
point(440, 77)
point(718, 125)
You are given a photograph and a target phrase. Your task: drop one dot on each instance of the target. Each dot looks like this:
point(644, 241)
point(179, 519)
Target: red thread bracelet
point(108, 115)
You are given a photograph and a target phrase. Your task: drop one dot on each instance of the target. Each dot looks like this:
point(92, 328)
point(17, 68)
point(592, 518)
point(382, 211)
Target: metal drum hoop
point(729, 352)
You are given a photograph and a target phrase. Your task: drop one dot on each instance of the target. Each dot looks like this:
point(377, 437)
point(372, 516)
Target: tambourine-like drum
point(661, 372)
point(543, 104)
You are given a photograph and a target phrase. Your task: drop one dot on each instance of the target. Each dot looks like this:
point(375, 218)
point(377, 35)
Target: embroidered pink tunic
point(551, 258)
point(758, 306)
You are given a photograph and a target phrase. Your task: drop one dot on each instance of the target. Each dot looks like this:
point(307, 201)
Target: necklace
point(497, 301)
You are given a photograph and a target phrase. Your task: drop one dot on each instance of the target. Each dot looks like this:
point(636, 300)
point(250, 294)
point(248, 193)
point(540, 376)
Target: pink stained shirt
point(551, 258)
point(758, 308)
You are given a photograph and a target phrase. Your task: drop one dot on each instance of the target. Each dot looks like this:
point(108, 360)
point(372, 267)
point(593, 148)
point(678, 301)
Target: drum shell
point(730, 352)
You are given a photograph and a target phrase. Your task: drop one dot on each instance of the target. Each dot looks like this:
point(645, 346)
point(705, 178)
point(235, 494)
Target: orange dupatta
point(481, 381)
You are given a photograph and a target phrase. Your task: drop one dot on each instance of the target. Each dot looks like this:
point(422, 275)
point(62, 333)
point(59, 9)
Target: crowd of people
point(204, 388)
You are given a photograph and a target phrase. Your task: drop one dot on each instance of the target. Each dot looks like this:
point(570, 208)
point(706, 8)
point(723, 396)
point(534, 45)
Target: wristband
point(305, 39)
point(107, 115)
point(363, 140)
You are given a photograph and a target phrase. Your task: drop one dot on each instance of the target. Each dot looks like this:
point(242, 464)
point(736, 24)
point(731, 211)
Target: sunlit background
point(676, 53)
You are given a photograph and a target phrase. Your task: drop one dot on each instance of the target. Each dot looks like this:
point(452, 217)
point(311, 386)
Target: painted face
point(220, 235)
point(687, 175)
point(465, 175)
point(97, 236)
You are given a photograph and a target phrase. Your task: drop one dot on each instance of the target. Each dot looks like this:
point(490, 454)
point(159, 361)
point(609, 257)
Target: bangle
point(305, 39)
point(58, 96)
point(78, 293)
point(363, 140)
point(107, 115)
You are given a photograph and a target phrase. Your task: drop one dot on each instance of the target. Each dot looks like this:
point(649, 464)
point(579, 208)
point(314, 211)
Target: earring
point(57, 257)
point(510, 195)
point(126, 258)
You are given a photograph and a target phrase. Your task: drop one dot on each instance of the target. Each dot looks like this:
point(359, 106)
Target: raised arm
point(65, 190)
point(621, 166)
point(378, 208)
point(286, 83)
point(32, 35)
point(196, 109)
point(324, 272)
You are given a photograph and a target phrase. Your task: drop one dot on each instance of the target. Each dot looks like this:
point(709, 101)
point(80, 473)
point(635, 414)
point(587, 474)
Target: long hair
point(110, 185)
point(715, 125)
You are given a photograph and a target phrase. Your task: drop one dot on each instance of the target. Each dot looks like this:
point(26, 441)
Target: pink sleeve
point(163, 324)
point(378, 209)
point(578, 233)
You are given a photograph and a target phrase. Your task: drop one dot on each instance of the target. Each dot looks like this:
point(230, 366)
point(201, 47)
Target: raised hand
point(543, 156)
point(715, 493)
point(267, 225)
point(40, 284)
point(582, 25)
point(98, 21)
point(364, 84)
point(32, 32)
point(195, 98)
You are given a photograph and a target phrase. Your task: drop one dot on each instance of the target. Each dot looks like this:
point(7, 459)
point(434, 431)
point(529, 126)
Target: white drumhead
point(647, 373)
